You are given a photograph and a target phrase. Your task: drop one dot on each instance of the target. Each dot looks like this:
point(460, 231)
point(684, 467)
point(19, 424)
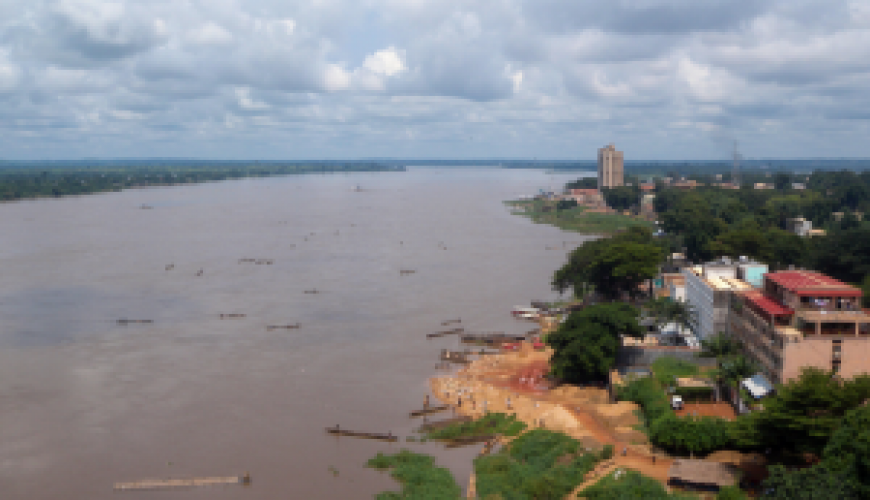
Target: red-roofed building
point(800, 319)
point(587, 197)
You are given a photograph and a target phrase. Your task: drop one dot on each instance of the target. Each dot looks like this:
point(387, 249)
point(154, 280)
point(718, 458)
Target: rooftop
point(812, 283)
point(704, 472)
point(767, 305)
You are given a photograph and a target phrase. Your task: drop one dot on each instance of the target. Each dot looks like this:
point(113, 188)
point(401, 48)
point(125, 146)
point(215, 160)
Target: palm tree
point(736, 368)
point(719, 346)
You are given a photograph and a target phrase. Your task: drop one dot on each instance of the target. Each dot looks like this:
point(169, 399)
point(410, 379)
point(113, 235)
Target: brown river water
point(86, 402)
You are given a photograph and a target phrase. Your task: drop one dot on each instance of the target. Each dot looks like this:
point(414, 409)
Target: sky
point(333, 79)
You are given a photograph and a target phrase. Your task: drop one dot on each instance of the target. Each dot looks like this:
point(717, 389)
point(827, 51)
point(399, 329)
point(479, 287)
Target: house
point(586, 197)
point(800, 319)
point(702, 475)
point(799, 226)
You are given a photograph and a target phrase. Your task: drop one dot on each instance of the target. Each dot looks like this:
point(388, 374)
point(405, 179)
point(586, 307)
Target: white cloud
point(210, 34)
point(349, 78)
point(387, 62)
point(335, 78)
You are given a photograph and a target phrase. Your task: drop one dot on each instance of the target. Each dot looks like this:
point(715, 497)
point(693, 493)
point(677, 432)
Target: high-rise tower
point(610, 167)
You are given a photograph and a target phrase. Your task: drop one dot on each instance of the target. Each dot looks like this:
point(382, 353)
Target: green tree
point(805, 412)
point(848, 450)
point(622, 197)
point(719, 346)
point(613, 265)
point(733, 369)
point(566, 204)
point(586, 343)
point(813, 483)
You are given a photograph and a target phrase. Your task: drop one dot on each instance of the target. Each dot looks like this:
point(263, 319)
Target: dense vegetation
point(613, 267)
point(489, 424)
point(570, 217)
point(538, 465)
point(419, 476)
point(627, 484)
point(586, 343)
point(34, 181)
point(710, 222)
point(844, 471)
point(799, 420)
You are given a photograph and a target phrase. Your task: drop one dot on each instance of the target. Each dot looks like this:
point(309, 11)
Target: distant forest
point(22, 180)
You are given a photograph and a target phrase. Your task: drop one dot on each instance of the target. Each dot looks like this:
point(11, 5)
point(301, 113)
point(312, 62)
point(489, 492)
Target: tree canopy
point(586, 343)
point(805, 412)
point(614, 266)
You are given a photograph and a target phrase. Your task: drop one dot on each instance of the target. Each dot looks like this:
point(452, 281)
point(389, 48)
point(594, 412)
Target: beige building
point(800, 319)
point(610, 167)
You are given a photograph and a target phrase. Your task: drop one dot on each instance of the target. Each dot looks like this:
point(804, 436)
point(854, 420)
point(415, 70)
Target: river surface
point(86, 402)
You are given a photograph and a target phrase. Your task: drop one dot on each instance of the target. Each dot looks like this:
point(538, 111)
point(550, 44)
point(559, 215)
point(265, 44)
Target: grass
point(419, 476)
point(539, 465)
point(624, 484)
point(668, 368)
point(576, 219)
point(492, 423)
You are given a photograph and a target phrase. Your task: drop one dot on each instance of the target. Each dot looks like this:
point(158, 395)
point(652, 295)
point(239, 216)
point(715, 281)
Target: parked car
point(677, 402)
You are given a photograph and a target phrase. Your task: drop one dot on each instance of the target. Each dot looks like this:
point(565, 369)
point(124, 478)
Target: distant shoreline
point(37, 182)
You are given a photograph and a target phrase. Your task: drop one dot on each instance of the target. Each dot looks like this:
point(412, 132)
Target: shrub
point(607, 452)
point(695, 393)
point(418, 475)
point(540, 464)
point(628, 484)
point(492, 423)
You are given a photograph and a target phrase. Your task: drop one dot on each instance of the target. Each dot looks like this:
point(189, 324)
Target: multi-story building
point(800, 319)
point(708, 291)
point(610, 167)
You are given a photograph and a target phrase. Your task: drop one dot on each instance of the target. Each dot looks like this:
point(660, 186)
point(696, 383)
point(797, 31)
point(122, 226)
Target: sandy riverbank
point(513, 382)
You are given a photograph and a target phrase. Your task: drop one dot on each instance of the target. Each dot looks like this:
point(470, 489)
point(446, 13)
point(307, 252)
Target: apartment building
point(800, 319)
point(708, 290)
point(610, 167)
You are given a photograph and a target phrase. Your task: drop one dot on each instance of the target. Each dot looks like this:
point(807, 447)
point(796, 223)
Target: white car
point(677, 402)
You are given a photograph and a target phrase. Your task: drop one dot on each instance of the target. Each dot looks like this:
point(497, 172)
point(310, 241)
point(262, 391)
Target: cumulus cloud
point(342, 78)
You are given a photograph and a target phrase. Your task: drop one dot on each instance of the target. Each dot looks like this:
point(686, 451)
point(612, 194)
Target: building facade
point(610, 167)
point(801, 319)
point(708, 291)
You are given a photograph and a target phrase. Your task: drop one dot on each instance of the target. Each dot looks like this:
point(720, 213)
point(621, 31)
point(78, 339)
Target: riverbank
point(513, 383)
point(577, 219)
point(50, 181)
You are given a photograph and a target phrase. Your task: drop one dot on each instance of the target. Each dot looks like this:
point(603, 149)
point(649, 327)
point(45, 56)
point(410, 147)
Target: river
point(86, 402)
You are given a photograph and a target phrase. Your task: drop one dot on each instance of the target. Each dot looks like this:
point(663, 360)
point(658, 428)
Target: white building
point(708, 291)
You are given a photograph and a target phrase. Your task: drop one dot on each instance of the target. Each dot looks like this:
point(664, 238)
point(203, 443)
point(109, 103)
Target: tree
point(736, 368)
point(665, 311)
point(583, 183)
point(843, 254)
point(848, 450)
point(623, 267)
point(566, 204)
point(586, 343)
point(719, 346)
point(813, 483)
point(613, 265)
point(781, 180)
point(622, 197)
point(805, 412)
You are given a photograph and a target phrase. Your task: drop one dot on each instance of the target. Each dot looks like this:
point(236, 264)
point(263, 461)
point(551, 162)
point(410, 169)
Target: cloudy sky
point(288, 79)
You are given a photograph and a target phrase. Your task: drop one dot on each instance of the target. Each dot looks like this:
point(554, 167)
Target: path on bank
point(495, 381)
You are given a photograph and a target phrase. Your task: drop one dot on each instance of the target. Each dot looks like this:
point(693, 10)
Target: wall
point(644, 356)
